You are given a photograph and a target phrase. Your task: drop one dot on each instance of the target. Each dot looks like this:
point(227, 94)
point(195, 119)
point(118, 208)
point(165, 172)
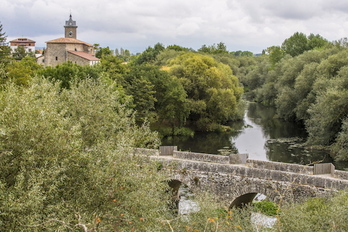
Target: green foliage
point(174, 107)
point(230, 60)
point(19, 53)
point(114, 68)
point(268, 208)
point(340, 147)
point(123, 54)
point(70, 160)
point(317, 42)
point(316, 214)
point(276, 53)
point(157, 95)
point(177, 48)
point(298, 43)
point(295, 44)
point(5, 50)
point(329, 110)
point(21, 72)
point(102, 52)
point(142, 91)
point(149, 55)
point(164, 57)
point(214, 49)
point(68, 72)
point(242, 53)
point(310, 87)
point(213, 92)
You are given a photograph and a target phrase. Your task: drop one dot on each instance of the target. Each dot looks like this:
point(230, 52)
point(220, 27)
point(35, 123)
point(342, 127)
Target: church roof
point(84, 55)
point(68, 41)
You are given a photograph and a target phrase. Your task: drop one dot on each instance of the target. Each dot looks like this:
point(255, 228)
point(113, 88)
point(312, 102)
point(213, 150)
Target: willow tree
point(213, 92)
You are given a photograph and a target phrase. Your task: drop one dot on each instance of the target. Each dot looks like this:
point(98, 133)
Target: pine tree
point(4, 49)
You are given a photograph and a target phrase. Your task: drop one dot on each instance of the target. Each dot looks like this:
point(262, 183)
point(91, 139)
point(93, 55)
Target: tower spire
point(70, 28)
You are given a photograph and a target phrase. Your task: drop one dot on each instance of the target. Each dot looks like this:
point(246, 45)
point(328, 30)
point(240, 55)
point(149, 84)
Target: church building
point(68, 48)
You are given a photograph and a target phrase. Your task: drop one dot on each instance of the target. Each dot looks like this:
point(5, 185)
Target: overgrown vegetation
point(66, 163)
point(266, 207)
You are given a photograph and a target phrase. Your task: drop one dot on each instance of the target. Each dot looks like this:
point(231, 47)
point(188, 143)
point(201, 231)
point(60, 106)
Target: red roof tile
point(84, 55)
point(68, 40)
point(22, 40)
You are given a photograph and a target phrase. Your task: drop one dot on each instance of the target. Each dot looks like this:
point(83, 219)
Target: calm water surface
point(261, 135)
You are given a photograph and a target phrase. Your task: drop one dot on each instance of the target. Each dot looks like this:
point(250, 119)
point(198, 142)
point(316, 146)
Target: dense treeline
point(176, 89)
point(306, 81)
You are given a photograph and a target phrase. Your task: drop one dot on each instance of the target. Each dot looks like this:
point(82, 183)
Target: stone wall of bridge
point(228, 177)
point(231, 181)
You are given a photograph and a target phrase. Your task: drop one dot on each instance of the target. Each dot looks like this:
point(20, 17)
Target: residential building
point(28, 44)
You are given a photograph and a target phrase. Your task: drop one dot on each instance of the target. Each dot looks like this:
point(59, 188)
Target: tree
point(219, 48)
point(72, 163)
point(276, 53)
point(102, 52)
point(298, 43)
point(316, 41)
point(5, 50)
point(174, 107)
point(329, 111)
point(142, 92)
point(207, 81)
point(19, 53)
point(68, 72)
point(115, 68)
point(242, 53)
point(295, 44)
point(178, 48)
point(149, 55)
point(21, 72)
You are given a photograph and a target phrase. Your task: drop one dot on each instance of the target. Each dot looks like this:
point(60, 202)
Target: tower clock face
point(70, 33)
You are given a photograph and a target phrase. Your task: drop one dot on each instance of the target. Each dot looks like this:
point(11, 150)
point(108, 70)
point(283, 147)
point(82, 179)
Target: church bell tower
point(70, 28)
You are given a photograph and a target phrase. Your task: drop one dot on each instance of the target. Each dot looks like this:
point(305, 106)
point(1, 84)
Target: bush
point(316, 214)
point(268, 208)
point(66, 162)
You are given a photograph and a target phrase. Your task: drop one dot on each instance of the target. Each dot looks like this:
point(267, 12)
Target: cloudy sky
point(251, 25)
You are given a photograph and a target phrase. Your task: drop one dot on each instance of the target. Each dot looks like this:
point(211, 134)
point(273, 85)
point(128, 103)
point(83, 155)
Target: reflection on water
point(251, 140)
point(261, 135)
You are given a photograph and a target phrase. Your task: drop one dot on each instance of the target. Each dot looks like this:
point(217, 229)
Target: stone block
point(324, 168)
point(238, 158)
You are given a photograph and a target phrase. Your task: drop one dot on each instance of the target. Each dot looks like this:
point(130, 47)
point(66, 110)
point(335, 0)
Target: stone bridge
point(236, 180)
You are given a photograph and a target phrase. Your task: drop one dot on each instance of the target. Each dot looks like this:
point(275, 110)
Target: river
point(261, 135)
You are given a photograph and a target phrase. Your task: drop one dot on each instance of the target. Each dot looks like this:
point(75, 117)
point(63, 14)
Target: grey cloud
point(141, 23)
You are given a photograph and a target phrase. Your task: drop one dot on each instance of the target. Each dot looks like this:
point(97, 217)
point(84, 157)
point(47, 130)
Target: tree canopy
point(212, 90)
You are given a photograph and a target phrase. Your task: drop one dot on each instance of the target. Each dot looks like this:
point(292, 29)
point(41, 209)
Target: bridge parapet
point(258, 173)
point(201, 157)
point(243, 159)
point(341, 174)
point(285, 167)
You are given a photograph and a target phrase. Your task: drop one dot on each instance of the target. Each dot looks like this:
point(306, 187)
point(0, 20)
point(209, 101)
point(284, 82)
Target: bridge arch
point(247, 193)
